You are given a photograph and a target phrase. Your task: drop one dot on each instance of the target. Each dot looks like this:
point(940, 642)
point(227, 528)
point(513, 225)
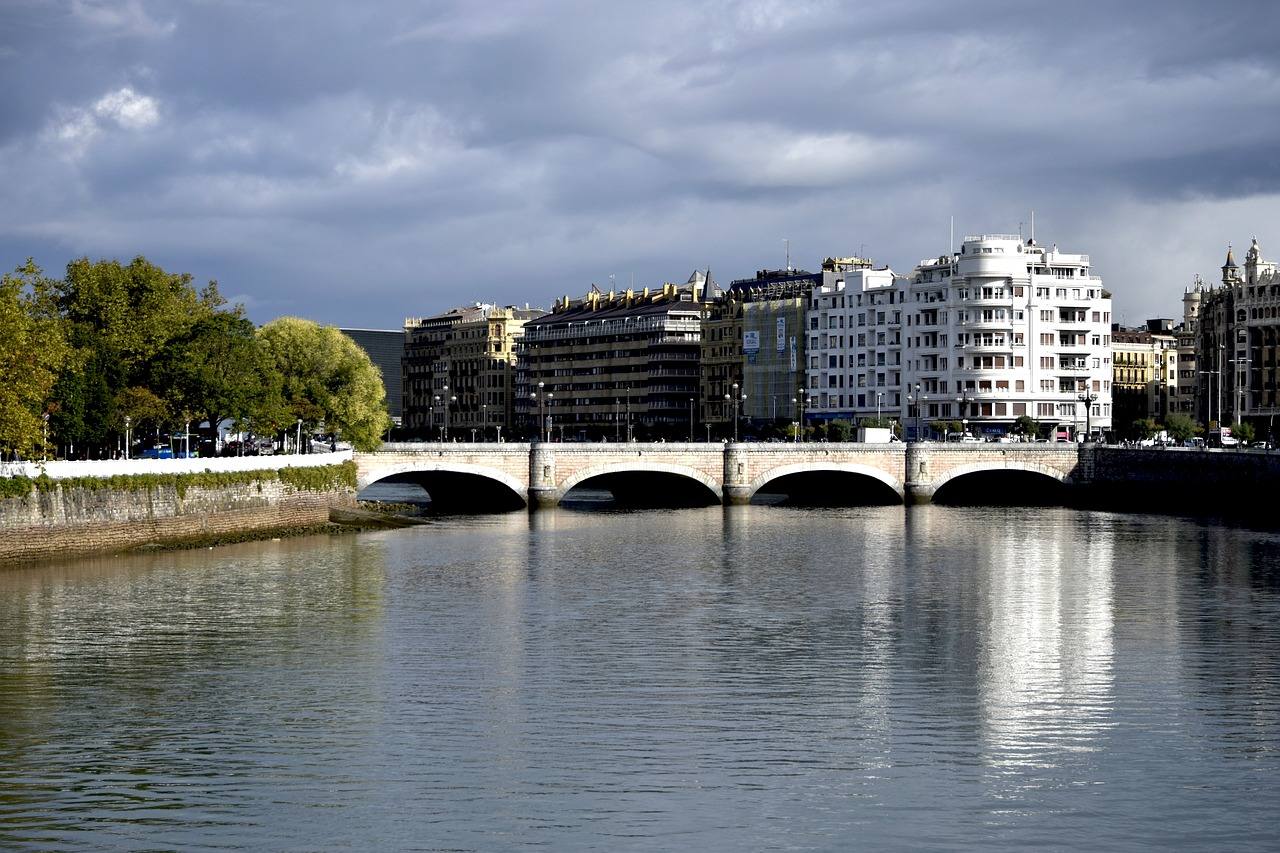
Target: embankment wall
point(80, 516)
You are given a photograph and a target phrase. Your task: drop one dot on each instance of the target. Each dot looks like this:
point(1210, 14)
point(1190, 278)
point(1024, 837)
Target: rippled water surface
point(751, 678)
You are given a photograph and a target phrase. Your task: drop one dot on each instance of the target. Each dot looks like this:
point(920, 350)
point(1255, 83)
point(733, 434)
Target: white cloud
point(128, 18)
point(128, 109)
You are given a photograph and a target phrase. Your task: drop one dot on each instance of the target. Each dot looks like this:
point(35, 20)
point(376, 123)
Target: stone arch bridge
point(508, 475)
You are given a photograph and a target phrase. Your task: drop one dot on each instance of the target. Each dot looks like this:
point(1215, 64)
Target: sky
point(358, 163)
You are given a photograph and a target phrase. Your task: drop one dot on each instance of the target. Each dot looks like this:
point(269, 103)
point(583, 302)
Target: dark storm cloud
point(360, 162)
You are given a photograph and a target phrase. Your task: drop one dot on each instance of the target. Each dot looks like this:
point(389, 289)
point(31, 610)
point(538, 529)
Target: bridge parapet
point(543, 472)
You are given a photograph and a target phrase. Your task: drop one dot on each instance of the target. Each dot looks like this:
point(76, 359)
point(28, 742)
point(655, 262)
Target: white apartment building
point(1002, 328)
point(856, 344)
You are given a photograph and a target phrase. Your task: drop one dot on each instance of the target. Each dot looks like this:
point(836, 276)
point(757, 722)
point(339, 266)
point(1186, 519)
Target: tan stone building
point(459, 371)
point(1144, 373)
point(615, 365)
point(754, 337)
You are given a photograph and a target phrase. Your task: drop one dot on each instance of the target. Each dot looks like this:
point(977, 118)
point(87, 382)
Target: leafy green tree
point(1181, 427)
point(839, 430)
point(1143, 428)
point(876, 423)
point(216, 371)
point(131, 312)
point(32, 351)
point(325, 376)
point(1026, 425)
point(120, 320)
point(1243, 431)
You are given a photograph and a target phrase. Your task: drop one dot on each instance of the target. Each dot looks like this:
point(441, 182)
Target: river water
point(720, 679)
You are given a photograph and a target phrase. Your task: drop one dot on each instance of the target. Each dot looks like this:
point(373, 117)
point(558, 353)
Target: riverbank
point(43, 517)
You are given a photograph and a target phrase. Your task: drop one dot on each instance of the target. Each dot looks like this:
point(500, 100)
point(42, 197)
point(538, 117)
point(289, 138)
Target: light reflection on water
point(728, 678)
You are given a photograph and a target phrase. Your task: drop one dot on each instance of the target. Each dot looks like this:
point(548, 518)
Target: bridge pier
point(543, 493)
point(736, 488)
point(918, 485)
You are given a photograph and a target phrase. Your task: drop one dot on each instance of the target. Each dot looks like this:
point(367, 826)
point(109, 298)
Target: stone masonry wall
point(69, 520)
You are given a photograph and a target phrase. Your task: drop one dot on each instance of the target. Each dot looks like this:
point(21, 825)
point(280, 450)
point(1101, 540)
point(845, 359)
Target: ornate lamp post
point(447, 401)
point(1087, 398)
point(735, 398)
point(802, 395)
point(1210, 373)
point(963, 402)
point(540, 395)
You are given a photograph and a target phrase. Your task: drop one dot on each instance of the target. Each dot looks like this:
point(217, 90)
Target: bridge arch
point(852, 468)
point(951, 475)
point(426, 470)
point(576, 478)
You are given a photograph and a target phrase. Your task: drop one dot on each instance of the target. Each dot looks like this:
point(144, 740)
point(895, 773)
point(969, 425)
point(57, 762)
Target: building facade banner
point(793, 353)
point(751, 342)
point(782, 334)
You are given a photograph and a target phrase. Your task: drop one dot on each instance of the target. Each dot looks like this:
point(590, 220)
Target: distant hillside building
point(385, 349)
point(459, 371)
point(613, 365)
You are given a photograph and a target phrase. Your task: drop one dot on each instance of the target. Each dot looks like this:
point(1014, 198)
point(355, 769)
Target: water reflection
point(742, 677)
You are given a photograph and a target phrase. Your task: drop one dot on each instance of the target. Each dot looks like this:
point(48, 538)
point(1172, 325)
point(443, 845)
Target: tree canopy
point(32, 352)
point(325, 376)
point(114, 341)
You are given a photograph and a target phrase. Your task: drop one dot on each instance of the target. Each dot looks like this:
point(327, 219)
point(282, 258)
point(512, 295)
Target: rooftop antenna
point(1033, 227)
point(787, 243)
point(951, 238)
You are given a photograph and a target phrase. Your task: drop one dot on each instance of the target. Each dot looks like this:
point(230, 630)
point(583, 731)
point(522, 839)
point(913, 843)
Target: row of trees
point(1180, 427)
point(111, 341)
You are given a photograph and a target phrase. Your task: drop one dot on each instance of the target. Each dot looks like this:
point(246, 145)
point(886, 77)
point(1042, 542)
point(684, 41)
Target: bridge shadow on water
point(825, 488)
point(1003, 488)
point(445, 493)
point(638, 490)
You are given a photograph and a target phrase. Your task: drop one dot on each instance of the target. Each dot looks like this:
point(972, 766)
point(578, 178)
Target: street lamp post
point(484, 421)
point(691, 420)
point(540, 395)
point(128, 424)
point(1087, 399)
point(1221, 350)
point(917, 401)
point(297, 448)
point(1239, 390)
point(445, 435)
point(44, 437)
point(628, 414)
point(963, 401)
point(879, 398)
point(802, 397)
point(1210, 373)
point(550, 433)
point(735, 398)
